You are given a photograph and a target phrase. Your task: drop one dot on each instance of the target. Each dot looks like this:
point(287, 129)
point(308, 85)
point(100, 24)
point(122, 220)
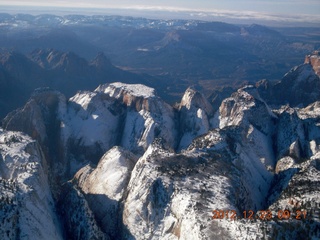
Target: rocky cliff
point(299, 87)
point(314, 60)
point(195, 113)
point(27, 209)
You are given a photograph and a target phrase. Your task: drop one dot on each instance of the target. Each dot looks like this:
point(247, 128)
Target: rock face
point(314, 60)
point(26, 204)
point(90, 123)
point(244, 108)
point(298, 87)
point(252, 124)
point(40, 119)
point(123, 164)
point(181, 191)
point(195, 113)
point(147, 117)
point(113, 173)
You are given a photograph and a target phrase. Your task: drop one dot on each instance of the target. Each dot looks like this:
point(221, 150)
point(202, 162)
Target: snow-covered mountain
point(27, 209)
point(120, 163)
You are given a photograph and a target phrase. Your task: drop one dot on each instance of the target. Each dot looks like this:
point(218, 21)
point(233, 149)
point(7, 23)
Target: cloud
point(205, 13)
point(199, 13)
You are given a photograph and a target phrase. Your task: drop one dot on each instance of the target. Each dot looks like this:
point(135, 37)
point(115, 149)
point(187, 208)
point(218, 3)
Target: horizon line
point(199, 14)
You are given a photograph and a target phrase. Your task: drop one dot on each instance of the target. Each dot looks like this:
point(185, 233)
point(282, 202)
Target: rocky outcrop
point(297, 132)
point(314, 60)
point(91, 126)
point(299, 87)
point(137, 96)
point(171, 196)
point(249, 124)
point(147, 116)
point(37, 118)
point(295, 195)
point(76, 215)
point(113, 173)
point(195, 113)
point(245, 107)
point(40, 118)
point(26, 204)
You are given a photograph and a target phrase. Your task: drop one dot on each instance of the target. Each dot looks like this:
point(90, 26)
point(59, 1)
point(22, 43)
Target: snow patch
point(116, 89)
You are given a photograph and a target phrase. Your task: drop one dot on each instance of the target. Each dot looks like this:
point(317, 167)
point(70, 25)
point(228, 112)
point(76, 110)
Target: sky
point(284, 10)
point(266, 6)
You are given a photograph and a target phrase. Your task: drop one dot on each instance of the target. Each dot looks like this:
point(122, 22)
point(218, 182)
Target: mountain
point(120, 163)
point(64, 71)
point(298, 87)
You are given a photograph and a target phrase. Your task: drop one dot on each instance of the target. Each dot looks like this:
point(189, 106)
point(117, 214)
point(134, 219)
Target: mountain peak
point(245, 107)
point(195, 111)
point(118, 88)
point(12, 58)
point(100, 61)
point(260, 30)
point(137, 96)
point(193, 98)
point(54, 59)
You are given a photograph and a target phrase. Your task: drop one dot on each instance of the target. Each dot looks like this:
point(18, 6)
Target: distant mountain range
point(184, 52)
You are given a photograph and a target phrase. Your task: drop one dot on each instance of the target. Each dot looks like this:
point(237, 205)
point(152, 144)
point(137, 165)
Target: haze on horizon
point(310, 7)
point(236, 11)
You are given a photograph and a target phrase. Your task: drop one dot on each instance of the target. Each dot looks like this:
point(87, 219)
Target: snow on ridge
point(83, 98)
point(138, 90)
point(31, 214)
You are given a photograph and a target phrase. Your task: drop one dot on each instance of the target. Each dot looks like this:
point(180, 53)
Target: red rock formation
point(314, 60)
